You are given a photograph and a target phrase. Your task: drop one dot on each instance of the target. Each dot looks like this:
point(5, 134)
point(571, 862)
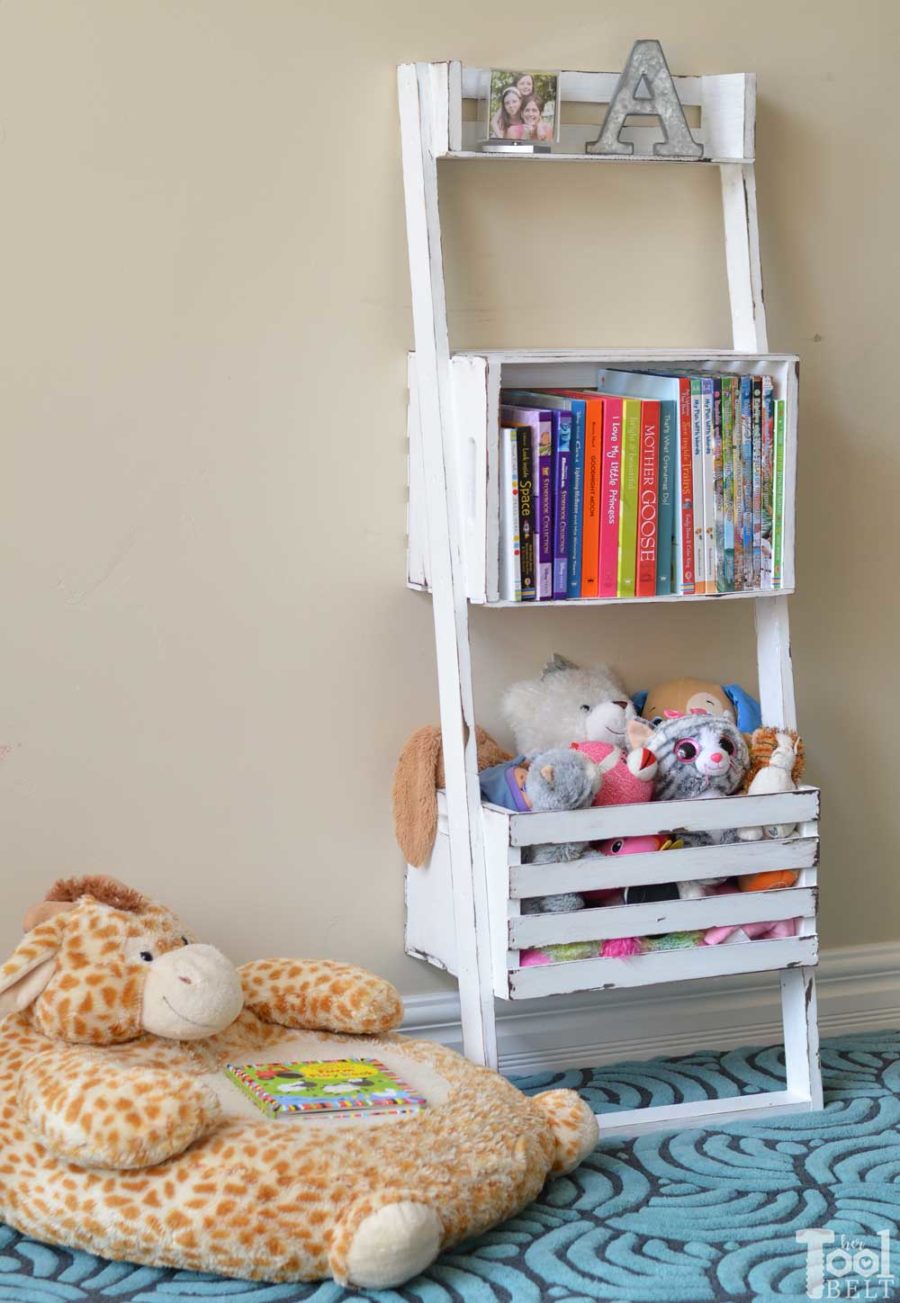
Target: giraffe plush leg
point(99, 1113)
point(574, 1126)
point(383, 1240)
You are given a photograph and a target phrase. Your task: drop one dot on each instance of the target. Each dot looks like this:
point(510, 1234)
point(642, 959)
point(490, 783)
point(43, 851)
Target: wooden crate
point(429, 924)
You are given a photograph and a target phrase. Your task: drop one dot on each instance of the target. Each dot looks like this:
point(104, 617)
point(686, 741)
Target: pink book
point(648, 500)
point(610, 496)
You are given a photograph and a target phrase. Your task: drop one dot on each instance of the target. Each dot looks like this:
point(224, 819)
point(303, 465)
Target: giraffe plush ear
point(30, 966)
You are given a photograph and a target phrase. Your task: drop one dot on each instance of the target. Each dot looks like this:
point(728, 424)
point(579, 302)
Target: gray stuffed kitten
point(560, 779)
point(699, 757)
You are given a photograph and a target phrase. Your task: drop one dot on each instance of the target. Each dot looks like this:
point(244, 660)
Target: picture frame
point(523, 108)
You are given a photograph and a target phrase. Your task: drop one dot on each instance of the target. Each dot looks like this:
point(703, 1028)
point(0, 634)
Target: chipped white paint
point(464, 907)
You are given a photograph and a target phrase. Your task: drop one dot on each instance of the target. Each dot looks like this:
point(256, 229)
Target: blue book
point(578, 408)
point(668, 460)
point(562, 504)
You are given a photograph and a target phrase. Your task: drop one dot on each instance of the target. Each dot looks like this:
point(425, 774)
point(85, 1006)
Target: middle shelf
point(482, 381)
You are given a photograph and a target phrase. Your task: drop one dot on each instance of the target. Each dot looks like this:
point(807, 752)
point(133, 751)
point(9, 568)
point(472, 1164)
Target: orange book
point(593, 462)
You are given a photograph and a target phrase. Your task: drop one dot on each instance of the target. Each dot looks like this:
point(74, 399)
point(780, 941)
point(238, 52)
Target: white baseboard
point(858, 990)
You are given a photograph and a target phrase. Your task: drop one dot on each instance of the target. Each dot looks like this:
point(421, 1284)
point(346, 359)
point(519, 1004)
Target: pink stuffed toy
point(627, 775)
point(721, 936)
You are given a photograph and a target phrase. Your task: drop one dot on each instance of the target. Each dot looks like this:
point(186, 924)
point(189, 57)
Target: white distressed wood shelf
point(464, 911)
point(476, 379)
point(724, 117)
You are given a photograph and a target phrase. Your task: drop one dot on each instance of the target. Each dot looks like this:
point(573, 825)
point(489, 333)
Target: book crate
point(476, 379)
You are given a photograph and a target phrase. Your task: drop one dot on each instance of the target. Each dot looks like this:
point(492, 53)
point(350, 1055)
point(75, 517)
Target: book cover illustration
point(324, 1086)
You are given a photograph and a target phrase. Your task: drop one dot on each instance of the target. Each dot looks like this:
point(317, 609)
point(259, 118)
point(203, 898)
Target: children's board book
point(355, 1086)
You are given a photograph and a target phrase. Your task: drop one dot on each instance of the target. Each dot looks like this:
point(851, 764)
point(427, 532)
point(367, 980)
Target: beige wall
point(209, 660)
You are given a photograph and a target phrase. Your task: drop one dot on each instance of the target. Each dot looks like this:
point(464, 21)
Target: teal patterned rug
point(682, 1218)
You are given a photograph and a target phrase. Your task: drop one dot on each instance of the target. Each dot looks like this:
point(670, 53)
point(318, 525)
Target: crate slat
point(661, 966)
point(662, 916)
point(696, 863)
point(602, 822)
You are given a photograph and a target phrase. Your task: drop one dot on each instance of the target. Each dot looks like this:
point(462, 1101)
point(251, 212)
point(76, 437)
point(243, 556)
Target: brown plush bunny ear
point(414, 794)
point(419, 773)
point(31, 965)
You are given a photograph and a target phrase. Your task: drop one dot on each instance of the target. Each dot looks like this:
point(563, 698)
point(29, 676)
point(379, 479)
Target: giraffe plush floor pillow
point(120, 1135)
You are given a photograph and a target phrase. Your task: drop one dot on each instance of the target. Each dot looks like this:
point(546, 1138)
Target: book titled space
point(322, 1086)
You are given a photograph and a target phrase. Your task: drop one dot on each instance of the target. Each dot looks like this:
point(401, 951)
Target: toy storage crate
point(429, 893)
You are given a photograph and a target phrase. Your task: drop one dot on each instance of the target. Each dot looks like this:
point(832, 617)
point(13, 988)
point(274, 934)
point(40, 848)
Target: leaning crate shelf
point(464, 908)
point(476, 379)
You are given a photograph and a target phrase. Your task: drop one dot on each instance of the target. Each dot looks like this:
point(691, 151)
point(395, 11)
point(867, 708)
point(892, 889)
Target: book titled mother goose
point(354, 1086)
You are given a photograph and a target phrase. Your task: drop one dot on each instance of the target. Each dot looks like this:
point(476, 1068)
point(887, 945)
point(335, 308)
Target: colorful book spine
point(562, 458)
point(746, 483)
point(668, 461)
point(737, 461)
point(718, 487)
point(756, 433)
point(610, 497)
point(767, 462)
point(590, 536)
point(648, 501)
point(685, 524)
point(729, 384)
point(510, 556)
point(697, 474)
point(631, 452)
point(576, 497)
point(528, 559)
point(709, 499)
point(778, 498)
point(565, 401)
point(544, 462)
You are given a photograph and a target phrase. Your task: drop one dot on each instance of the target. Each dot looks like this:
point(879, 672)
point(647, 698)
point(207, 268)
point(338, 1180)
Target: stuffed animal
point(560, 779)
point(122, 1137)
point(720, 936)
point(699, 697)
point(776, 765)
point(566, 704)
point(698, 756)
point(417, 777)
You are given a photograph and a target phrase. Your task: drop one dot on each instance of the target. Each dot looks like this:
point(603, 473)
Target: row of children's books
point(652, 484)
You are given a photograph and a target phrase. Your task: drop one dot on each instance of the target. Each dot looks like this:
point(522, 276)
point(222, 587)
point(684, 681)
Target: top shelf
point(726, 104)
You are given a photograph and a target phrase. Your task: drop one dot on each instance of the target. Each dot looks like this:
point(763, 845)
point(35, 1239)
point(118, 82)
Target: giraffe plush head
point(101, 964)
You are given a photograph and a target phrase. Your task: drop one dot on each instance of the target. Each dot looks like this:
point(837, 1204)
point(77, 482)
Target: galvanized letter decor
point(646, 67)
